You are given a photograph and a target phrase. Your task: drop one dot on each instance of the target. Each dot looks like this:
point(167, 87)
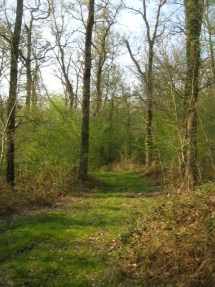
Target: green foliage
point(47, 141)
point(206, 121)
point(116, 134)
point(167, 143)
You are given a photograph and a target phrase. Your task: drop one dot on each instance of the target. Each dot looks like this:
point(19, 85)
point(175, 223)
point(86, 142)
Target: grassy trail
point(72, 243)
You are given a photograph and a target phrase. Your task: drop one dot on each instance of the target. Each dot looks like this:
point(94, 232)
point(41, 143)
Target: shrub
point(173, 245)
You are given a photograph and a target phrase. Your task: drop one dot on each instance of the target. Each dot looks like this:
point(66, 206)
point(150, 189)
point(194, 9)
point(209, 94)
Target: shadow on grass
point(60, 248)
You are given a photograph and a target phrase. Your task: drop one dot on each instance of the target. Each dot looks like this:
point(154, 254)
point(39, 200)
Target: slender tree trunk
point(152, 36)
point(70, 96)
point(99, 86)
point(212, 62)
point(101, 61)
point(149, 107)
point(110, 131)
point(193, 17)
point(83, 168)
point(35, 80)
point(10, 174)
point(28, 65)
point(147, 76)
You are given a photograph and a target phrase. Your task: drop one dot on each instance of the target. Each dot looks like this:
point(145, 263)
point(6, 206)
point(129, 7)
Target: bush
point(172, 246)
point(33, 192)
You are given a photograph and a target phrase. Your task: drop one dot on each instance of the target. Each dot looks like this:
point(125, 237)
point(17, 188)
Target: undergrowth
point(173, 245)
point(31, 192)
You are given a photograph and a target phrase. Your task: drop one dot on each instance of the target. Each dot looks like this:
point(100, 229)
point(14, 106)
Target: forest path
point(73, 243)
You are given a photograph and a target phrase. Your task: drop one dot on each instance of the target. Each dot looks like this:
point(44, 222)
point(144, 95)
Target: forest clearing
point(124, 232)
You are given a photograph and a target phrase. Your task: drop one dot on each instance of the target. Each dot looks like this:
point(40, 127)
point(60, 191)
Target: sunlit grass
point(71, 246)
point(120, 234)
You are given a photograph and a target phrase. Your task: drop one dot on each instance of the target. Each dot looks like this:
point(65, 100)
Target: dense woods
point(139, 93)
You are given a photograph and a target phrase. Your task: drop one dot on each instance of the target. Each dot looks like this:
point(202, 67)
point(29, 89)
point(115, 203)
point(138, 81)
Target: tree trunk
point(28, 65)
point(83, 168)
point(152, 34)
point(149, 107)
point(99, 86)
point(210, 30)
point(70, 96)
point(10, 174)
point(193, 17)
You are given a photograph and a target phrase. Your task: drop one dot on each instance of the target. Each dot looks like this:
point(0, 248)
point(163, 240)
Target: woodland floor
point(74, 242)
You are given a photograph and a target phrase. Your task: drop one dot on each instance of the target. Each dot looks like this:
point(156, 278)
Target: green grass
point(71, 246)
point(123, 182)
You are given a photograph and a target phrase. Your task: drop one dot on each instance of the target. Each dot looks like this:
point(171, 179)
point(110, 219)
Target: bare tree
point(105, 43)
point(39, 12)
point(146, 73)
point(63, 31)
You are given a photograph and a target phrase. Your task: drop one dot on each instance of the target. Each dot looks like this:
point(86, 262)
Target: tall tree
point(11, 112)
point(193, 10)
point(83, 168)
point(147, 76)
